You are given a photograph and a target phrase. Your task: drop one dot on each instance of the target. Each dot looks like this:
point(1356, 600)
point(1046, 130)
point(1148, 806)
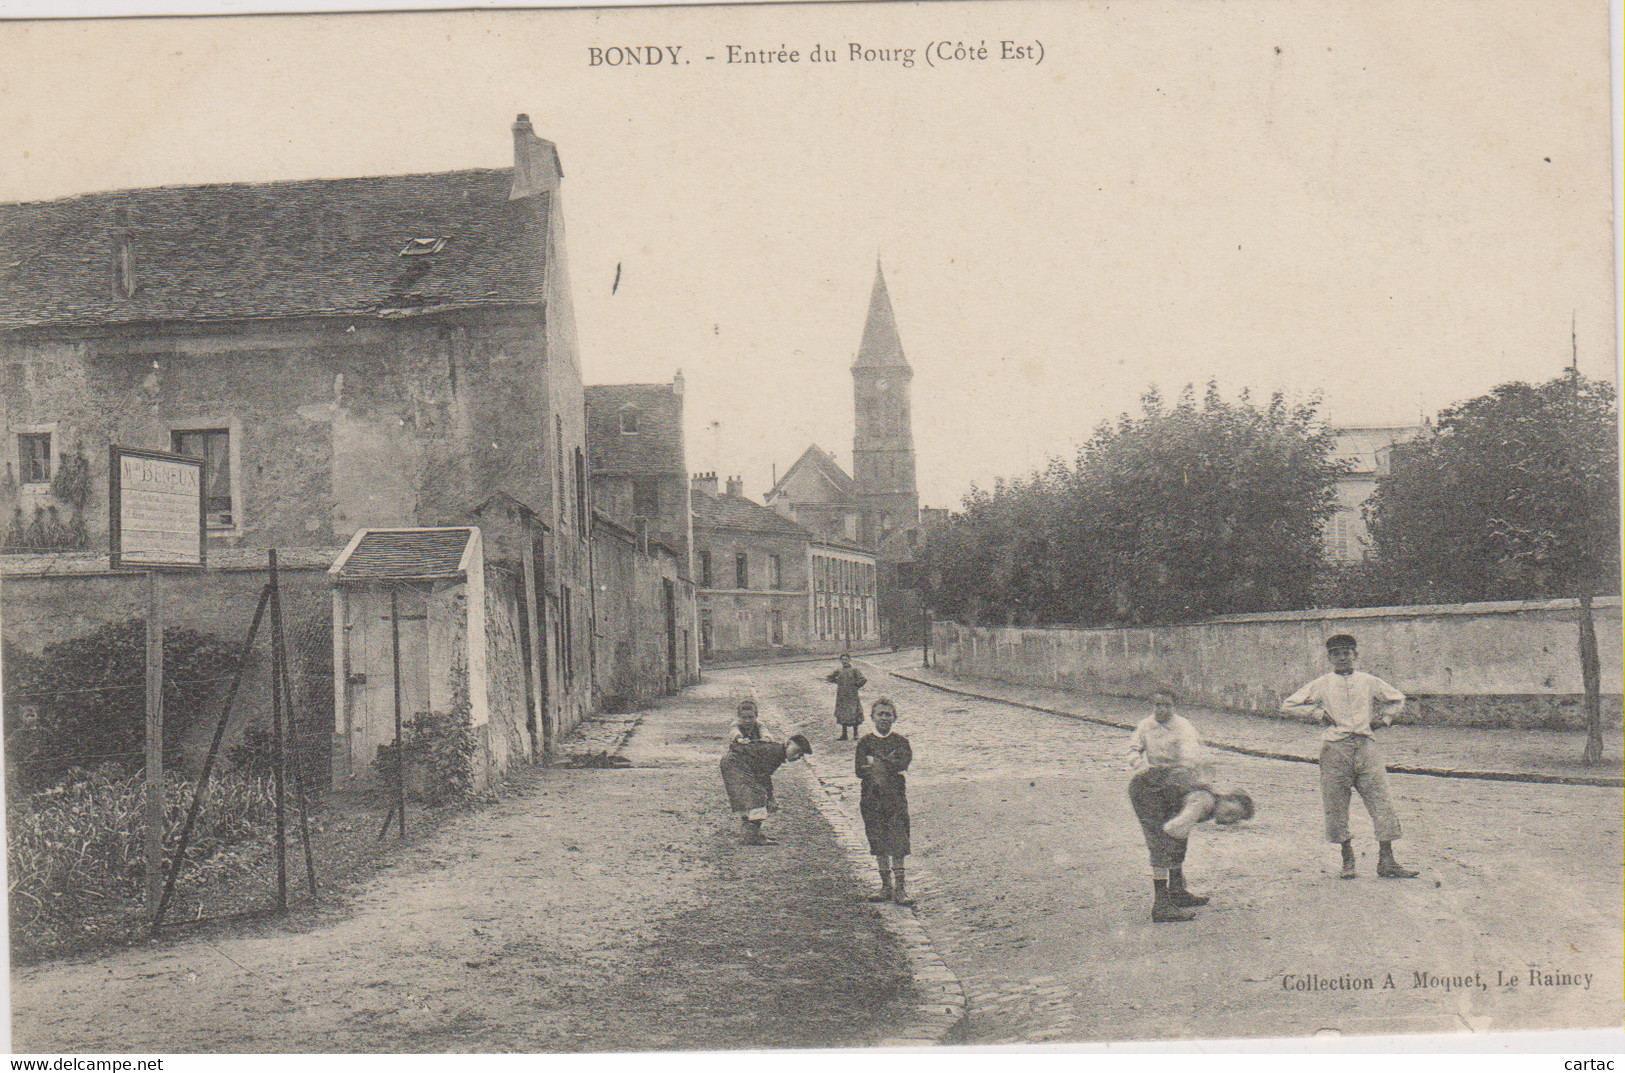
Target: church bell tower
point(883, 444)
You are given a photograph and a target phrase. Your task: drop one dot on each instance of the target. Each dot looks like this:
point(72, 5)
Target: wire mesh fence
point(75, 741)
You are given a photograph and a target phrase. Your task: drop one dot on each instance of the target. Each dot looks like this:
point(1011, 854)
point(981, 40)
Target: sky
point(1395, 206)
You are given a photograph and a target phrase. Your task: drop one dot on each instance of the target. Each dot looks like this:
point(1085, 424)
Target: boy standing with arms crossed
point(1350, 704)
point(880, 760)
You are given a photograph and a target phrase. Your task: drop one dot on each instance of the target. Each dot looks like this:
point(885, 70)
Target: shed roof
point(229, 251)
point(407, 554)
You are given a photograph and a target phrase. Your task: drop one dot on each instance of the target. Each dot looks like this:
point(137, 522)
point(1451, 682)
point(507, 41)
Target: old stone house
point(645, 631)
point(380, 353)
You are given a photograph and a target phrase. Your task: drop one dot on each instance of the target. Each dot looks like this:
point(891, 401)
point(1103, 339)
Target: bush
point(84, 700)
point(442, 746)
point(255, 752)
point(84, 841)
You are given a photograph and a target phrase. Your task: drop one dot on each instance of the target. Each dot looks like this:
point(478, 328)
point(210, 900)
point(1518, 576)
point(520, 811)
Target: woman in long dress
point(848, 706)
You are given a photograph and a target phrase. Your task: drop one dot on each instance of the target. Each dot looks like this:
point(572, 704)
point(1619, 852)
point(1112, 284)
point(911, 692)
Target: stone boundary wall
point(49, 598)
point(1512, 664)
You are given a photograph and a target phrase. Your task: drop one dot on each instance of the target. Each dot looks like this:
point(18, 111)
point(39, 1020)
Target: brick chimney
point(536, 167)
point(736, 486)
point(704, 482)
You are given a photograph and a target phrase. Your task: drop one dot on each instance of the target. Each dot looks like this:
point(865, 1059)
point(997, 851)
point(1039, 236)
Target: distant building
point(879, 500)
point(817, 493)
point(645, 631)
point(770, 586)
point(1370, 451)
point(375, 355)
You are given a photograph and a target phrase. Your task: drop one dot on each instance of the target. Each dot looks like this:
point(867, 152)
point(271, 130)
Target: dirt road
point(1044, 911)
point(603, 910)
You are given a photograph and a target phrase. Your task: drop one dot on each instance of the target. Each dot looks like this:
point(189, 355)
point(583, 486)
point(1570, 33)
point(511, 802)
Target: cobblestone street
point(1038, 891)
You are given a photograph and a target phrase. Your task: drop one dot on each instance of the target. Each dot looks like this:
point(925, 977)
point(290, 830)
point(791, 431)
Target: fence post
point(155, 745)
point(208, 764)
point(400, 737)
point(277, 744)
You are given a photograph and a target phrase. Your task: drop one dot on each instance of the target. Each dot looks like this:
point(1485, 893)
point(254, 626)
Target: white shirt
point(1349, 700)
point(1171, 744)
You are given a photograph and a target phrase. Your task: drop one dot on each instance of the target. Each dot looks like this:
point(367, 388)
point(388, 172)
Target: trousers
point(1350, 764)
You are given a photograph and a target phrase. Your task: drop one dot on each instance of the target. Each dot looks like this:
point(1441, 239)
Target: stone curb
point(1267, 754)
point(941, 1011)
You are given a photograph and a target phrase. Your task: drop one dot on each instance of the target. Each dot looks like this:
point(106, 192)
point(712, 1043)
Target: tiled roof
point(724, 511)
point(657, 445)
point(819, 459)
point(405, 553)
point(238, 250)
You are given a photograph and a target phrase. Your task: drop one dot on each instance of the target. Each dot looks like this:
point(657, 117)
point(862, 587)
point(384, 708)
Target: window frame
point(49, 431)
point(233, 428)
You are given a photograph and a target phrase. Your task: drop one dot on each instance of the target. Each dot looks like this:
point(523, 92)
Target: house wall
point(632, 664)
point(336, 425)
point(567, 550)
point(1495, 665)
point(505, 738)
point(741, 619)
point(742, 623)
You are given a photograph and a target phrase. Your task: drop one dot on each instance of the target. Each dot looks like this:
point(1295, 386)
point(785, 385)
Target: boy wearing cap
point(747, 776)
point(1351, 704)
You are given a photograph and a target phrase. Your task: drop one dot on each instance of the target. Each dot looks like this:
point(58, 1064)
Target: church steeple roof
point(881, 348)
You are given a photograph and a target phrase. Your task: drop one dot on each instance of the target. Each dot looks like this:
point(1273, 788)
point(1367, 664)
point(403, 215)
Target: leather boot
point(885, 893)
point(1179, 895)
point(900, 892)
point(1388, 868)
point(1164, 911)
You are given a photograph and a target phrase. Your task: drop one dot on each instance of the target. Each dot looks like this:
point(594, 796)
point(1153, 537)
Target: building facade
point(645, 626)
point(346, 354)
point(1369, 451)
point(768, 586)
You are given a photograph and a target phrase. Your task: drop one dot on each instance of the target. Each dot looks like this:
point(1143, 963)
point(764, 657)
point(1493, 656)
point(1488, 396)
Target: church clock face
point(881, 385)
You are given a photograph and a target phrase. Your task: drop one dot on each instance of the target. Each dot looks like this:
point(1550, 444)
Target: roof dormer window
point(423, 247)
point(629, 419)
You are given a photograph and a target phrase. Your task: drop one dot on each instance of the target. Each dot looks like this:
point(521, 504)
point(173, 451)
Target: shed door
point(372, 655)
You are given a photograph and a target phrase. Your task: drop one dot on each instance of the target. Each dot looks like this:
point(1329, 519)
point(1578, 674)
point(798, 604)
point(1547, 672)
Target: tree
point(1198, 509)
point(1516, 498)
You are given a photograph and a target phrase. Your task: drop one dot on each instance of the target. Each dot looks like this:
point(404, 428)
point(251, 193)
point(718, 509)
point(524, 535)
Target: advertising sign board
point(156, 510)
